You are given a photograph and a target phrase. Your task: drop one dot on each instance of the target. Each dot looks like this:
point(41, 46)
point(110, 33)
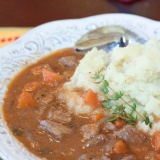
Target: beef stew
point(44, 125)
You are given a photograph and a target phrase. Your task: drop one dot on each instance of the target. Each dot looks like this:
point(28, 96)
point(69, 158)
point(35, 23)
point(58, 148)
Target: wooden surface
point(24, 13)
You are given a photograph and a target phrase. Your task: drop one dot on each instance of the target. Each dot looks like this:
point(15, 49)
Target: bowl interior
point(45, 39)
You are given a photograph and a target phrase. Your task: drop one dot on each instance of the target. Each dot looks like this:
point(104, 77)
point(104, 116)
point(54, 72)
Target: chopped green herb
point(111, 119)
point(104, 87)
point(117, 95)
point(133, 106)
point(17, 132)
point(98, 77)
point(118, 111)
point(107, 105)
point(147, 121)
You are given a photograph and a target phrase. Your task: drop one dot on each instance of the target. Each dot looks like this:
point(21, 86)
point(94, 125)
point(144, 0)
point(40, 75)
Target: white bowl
point(47, 38)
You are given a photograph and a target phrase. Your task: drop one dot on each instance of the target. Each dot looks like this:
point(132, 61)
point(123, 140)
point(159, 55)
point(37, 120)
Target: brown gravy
point(77, 137)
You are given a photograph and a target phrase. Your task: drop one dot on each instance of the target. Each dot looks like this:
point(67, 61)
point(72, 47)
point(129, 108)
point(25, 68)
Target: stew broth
point(46, 128)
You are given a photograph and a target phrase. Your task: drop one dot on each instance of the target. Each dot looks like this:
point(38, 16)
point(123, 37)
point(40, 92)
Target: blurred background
point(18, 16)
point(23, 13)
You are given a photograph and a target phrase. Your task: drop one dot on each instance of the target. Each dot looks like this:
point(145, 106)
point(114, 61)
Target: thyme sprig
point(119, 111)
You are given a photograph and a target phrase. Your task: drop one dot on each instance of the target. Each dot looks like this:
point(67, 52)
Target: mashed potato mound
point(133, 70)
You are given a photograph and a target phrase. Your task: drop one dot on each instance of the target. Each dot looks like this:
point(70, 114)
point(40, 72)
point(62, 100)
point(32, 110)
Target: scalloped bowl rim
point(48, 38)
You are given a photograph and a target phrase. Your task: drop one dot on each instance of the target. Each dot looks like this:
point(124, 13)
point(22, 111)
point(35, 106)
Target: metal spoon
point(107, 38)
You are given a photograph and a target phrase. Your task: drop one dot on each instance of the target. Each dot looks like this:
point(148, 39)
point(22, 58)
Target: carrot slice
point(156, 140)
point(120, 148)
point(25, 100)
point(32, 86)
point(50, 77)
point(90, 98)
point(119, 123)
point(97, 117)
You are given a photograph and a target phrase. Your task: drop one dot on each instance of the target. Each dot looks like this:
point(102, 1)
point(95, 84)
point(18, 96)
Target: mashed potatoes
point(133, 70)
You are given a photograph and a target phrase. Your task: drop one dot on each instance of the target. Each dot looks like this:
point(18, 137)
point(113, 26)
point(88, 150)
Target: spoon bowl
point(107, 38)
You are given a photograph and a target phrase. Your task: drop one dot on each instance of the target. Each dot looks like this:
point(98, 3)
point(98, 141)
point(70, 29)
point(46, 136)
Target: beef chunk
point(130, 134)
point(108, 126)
point(60, 116)
point(55, 129)
point(90, 130)
point(69, 61)
point(109, 146)
point(44, 94)
point(95, 140)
